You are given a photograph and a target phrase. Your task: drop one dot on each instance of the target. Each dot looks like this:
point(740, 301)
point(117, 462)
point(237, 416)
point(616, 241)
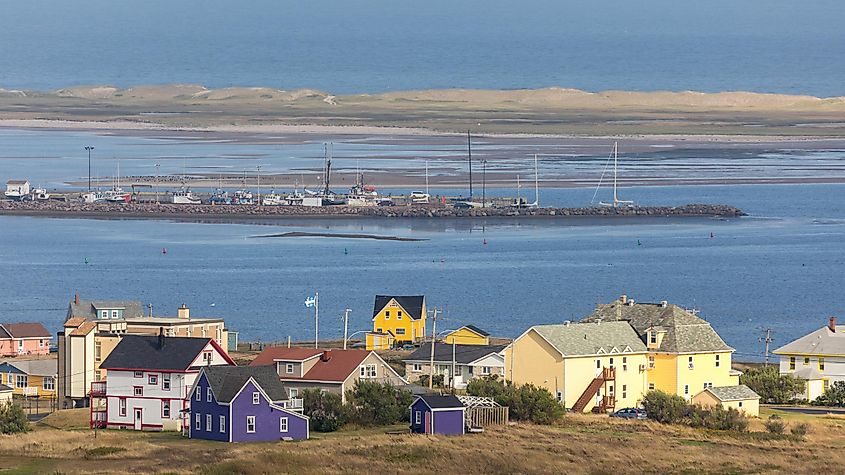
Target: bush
point(530, 403)
point(438, 380)
point(488, 386)
point(325, 409)
point(665, 408)
point(834, 395)
point(719, 418)
point(771, 386)
point(800, 430)
point(12, 419)
point(775, 425)
point(372, 403)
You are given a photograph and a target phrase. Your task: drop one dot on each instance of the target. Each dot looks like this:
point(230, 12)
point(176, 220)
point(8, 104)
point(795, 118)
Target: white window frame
point(486, 371)
point(208, 422)
point(624, 363)
point(283, 424)
point(208, 394)
point(121, 407)
point(651, 386)
point(417, 417)
point(400, 332)
point(708, 385)
point(717, 361)
point(165, 382)
point(399, 315)
point(152, 379)
point(138, 391)
point(289, 368)
point(368, 371)
point(48, 387)
point(690, 362)
point(387, 314)
point(104, 314)
point(293, 392)
point(198, 396)
point(137, 374)
point(417, 368)
point(21, 381)
point(459, 370)
point(250, 422)
point(256, 397)
point(197, 421)
point(165, 404)
point(222, 422)
point(114, 314)
point(652, 362)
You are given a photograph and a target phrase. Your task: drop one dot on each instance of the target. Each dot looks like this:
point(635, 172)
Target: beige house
point(598, 365)
point(458, 364)
point(93, 328)
point(739, 397)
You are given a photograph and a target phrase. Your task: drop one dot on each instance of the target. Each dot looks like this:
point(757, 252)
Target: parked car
point(630, 413)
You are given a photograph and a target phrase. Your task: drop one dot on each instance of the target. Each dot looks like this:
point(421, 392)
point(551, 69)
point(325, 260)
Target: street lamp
point(89, 148)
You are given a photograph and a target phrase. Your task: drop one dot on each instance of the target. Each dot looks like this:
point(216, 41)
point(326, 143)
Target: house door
point(427, 422)
point(138, 413)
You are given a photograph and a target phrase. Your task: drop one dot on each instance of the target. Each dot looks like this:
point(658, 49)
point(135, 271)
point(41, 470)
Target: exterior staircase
point(607, 374)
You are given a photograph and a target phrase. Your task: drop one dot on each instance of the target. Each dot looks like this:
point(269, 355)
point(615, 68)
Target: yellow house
point(740, 397)
point(685, 354)
point(468, 335)
point(585, 365)
point(30, 377)
point(379, 341)
point(402, 317)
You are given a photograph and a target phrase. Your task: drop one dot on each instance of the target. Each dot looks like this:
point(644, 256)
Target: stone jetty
point(167, 210)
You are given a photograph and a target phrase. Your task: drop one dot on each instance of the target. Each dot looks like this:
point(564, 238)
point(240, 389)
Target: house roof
point(413, 304)
point(74, 322)
point(145, 352)
point(227, 381)
point(820, 342)
point(339, 366)
point(84, 329)
point(441, 402)
point(24, 330)
point(17, 182)
point(88, 308)
point(473, 329)
point(271, 354)
point(464, 354)
point(685, 332)
point(809, 373)
point(40, 367)
point(5, 389)
point(580, 339)
point(733, 393)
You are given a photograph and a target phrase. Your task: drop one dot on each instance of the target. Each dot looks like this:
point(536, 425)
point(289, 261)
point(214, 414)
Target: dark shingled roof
point(443, 352)
point(226, 381)
point(476, 330)
point(24, 330)
point(412, 304)
point(144, 352)
point(441, 402)
point(685, 332)
point(88, 308)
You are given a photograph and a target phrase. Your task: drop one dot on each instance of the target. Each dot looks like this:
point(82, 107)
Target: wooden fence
point(486, 416)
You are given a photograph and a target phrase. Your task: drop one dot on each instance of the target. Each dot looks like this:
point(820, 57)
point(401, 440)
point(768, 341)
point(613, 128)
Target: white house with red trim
point(148, 379)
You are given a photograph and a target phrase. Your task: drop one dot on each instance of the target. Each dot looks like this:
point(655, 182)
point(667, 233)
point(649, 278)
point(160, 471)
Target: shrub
point(488, 386)
point(325, 409)
point(774, 424)
point(438, 380)
point(719, 418)
point(773, 387)
point(525, 403)
point(834, 395)
point(665, 408)
point(800, 430)
point(373, 403)
point(12, 419)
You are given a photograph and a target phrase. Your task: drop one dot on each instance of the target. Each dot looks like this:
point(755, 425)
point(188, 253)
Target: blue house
point(243, 404)
point(438, 415)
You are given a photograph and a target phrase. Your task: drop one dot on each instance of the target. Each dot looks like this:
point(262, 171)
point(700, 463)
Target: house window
point(458, 370)
point(387, 314)
point(289, 368)
point(821, 364)
point(165, 382)
point(717, 361)
point(368, 371)
point(121, 407)
point(792, 362)
point(651, 362)
point(379, 330)
point(114, 313)
point(560, 396)
point(708, 385)
point(399, 315)
point(598, 364)
point(740, 404)
point(250, 424)
point(611, 363)
point(293, 392)
point(206, 357)
point(469, 370)
point(806, 361)
point(152, 379)
point(610, 389)
point(138, 391)
point(98, 351)
point(485, 370)
point(400, 331)
point(222, 424)
point(256, 397)
point(417, 417)
point(41, 343)
point(417, 368)
point(165, 408)
point(204, 331)
point(199, 394)
point(20, 345)
point(98, 375)
point(652, 337)
point(138, 374)
point(689, 362)
point(208, 422)
point(686, 390)
point(283, 424)
point(48, 384)
point(208, 394)
point(651, 386)
point(624, 363)
point(104, 314)
point(826, 384)
point(197, 422)
point(624, 391)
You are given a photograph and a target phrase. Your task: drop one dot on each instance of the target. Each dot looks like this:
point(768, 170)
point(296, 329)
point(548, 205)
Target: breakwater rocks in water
point(167, 210)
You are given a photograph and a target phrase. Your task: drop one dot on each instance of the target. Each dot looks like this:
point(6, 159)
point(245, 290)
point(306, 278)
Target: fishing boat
point(242, 197)
point(40, 194)
point(94, 197)
point(184, 197)
point(273, 199)
point(220, 197)
point(116, 194)
point(324, 197)
point(362, 194)
point(617, 203)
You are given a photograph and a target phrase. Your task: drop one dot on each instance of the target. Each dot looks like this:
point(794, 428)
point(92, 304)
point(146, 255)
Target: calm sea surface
point(779, 268)
point(383, 45)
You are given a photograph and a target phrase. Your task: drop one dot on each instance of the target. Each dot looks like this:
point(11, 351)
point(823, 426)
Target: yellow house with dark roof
point(398, 320)
point(468, 335)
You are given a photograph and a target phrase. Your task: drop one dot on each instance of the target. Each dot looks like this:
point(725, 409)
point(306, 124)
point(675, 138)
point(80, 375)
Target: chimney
point(623, 299)
point(831, 323)
point(184, 312)
point(76, 299)
point(327, 355)
point(160, 337)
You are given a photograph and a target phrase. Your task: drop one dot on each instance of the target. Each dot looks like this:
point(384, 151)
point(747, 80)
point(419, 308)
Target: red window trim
point(169, 407)
point(168, 380)
point(121, 410)
point(135, 390)
point(135, 374)
point(150, 378)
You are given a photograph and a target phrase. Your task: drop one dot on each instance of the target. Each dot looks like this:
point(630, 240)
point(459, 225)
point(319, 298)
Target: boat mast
point(426, 177)
point(536, 183)
point(615, 163)
point(518, 194)
point(469, 159)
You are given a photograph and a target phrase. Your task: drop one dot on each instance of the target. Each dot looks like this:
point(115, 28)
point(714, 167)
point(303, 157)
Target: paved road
point(808, 409)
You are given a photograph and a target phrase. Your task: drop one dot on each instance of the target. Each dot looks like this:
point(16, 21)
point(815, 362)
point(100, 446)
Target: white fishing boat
point(184, 197)
point(242, 197)
point(362, 194)
point(94, 197)
point(116, 194)
point(40, 194)
point(273, 199)
point(616, 201)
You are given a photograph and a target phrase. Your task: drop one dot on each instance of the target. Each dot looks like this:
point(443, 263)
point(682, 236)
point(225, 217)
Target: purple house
point(243, 404)
point(438, 415)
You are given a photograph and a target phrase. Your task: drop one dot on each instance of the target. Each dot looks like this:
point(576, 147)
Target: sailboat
point(116, 194)
point(325, 197)
point(521, 202)
point(616, 201)
point(461, 202)
point(184, 196)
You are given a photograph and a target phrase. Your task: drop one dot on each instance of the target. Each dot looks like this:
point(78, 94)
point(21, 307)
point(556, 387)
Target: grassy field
point(580, 444)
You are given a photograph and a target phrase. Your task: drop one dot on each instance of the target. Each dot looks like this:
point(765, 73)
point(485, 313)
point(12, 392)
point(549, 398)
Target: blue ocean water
point(779, 268)
point(383, 45)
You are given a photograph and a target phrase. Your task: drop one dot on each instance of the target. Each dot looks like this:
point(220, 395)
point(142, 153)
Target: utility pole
point(316, 320)
point(453, 365)
point(433, 339)
point(767, 339)
point(345, 325)
point(89, 148)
